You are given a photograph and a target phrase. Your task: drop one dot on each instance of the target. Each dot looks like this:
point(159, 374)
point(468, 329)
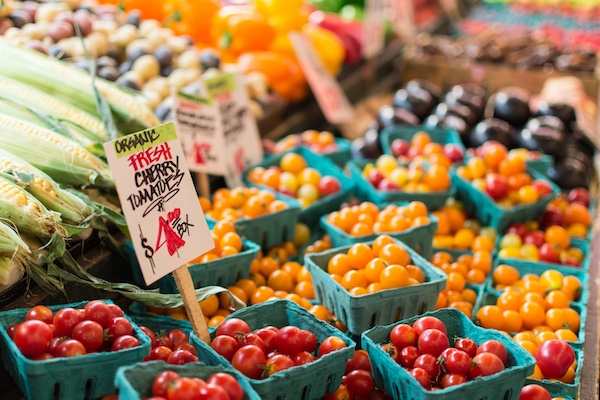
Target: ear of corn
point(10, 241)
point(71, 208)
point(27, 213)
point(73, 86)
point(69, 131)
point(64, 160)
point(10, 272)
point(27, 96)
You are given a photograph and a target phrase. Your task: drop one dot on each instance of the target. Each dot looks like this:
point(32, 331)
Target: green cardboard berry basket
point(486, 210)
point(560, 389)
point(398, 383)
point(580, 244)
point(135, 382)
point(541, 165)
point(272, 229)
point(437, 135)
point(418, 238)
point(309, 381)
point(365, 191)
point(525, 267)
point(311, 214)
point(339, 157)
point(490, 297)
point(89, 376)
point(360, 313)
point(161, 323)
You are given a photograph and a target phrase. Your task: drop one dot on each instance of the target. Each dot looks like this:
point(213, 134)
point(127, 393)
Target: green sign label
point(142, 140)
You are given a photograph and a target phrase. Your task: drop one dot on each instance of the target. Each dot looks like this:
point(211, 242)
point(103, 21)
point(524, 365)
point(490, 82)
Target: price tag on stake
point(327, 90)
point(242, 143)
point(373, 27)
point(198, 124)
point(161, 208)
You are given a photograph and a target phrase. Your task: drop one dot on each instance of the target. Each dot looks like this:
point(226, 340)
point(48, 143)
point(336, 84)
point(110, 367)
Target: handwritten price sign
point(159, 200)
point(198, 122)
point(239, 125)
point(373, 26)
point(329, 94)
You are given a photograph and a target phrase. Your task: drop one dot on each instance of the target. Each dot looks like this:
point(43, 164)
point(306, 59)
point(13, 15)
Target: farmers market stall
point(394, 201)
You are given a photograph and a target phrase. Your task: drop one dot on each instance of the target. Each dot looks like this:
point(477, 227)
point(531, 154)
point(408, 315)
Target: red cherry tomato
point(187, 346)
point(360, 360)
point(90, 334)
point(183, 388)
point(403, 335)
point(304, 357)
point(225, 346)
point(162, 381)
point(181, 357)
point(485, 364)
point(276, 363)
point(65, 320)
point(534, 392)
point(290, 340)
point(448, 380)
point(342, 393)
point(124, 342)
point(159, 353)
point(392, 351)
point(267, 335)
point(212, 392)
point(151, 335)
point(249, 361)
point(41, 313)
point(70, 348)
point(115, 311)
point(331, 343)
point(118, 327)
point(229, 383)
point(456, 361)
point(97, 311)
point(310, 341)
point(494, 347)
point(433, 341)
point(408, 356)
point(232, 326)
point(360, 382)
point(429, 322)
point(554, 357)
point(253, 339)
point(467, 345)
point(421, 376)
point(177, 337)
point(430, 364)
point(33, 337)
point(10, 331)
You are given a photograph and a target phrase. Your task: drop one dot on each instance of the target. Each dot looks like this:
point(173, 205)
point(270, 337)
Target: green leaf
point(101, 104)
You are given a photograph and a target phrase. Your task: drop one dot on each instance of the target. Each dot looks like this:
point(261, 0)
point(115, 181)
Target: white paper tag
point(327, 90)
point(159, 200)
point(198, 124)
point(374, 27)
point(243, 146)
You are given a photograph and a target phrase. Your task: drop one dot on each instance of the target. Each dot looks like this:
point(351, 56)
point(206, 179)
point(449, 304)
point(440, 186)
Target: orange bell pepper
point(191, 17)
point(241, 29)
point(283, 73)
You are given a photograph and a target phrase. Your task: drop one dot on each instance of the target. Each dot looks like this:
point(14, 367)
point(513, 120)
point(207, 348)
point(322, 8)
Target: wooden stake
point(185, 285)
point(203, 184)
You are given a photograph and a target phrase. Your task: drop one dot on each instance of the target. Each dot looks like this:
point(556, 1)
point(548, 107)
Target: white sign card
point(327, 90)
point(198, 124)
point(374, 27)
point(243, 146)
point(159, 200)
